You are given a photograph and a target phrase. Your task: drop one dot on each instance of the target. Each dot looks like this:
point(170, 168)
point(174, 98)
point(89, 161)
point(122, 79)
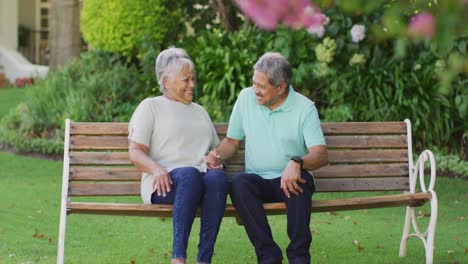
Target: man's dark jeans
point(191, 189)
point(249, 192)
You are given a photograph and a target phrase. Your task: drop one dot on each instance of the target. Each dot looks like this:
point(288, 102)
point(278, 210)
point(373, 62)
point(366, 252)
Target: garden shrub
point(98, 87)
point(224, 63)
point(121, 26)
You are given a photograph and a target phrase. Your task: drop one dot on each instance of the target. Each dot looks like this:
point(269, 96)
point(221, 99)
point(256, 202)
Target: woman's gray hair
point(276, 67)
point(170, 62)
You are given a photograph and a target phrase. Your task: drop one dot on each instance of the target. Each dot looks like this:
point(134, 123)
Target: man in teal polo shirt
point(283, 140)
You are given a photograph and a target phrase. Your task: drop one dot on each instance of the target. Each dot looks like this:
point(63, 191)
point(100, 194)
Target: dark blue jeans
point(249, 192)
point(192, 188)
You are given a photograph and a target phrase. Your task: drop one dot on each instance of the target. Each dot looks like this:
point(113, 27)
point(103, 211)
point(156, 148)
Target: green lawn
point(9, 98)
point(29, 218)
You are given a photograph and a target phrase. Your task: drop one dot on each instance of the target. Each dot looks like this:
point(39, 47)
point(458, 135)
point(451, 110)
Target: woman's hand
point(162, 181)
point(213, 160)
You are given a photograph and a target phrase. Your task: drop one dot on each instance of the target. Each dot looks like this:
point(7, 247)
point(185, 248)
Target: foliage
point(224, 64)
point(204, 15)
point(121, 26)
point(365, 81)
point(96, 88)
point(358, 76)
point(449, 163)
point(439, 22)
point(9, 98)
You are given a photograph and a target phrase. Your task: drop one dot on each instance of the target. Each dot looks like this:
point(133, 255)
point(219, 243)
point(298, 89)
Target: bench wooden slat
point(362, 184)
point(155, 210)
point(334, 157)
point(98, 143)
point(363, 128)
point(322, 185)
point(359, 142)
point(98, 128)
point(331, 128)
point(78, 173)
point(104, 189)
point(367, 156)
point(99, 158)
point(333, 142)
point(105, 174)
point(367, 170)
point(120, 158)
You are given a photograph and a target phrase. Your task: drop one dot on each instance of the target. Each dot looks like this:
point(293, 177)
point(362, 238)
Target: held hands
point(213, 160)
point(291, 178)
point(162, 181)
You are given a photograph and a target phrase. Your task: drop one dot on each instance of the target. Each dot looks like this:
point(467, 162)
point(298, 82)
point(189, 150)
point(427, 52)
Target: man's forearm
point(316, 158)
point(227, 148)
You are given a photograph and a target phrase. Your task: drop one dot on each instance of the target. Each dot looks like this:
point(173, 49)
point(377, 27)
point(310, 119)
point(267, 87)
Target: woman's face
point(180, 86)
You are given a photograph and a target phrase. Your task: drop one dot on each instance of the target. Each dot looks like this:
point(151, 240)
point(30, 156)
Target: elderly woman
point(169, 137)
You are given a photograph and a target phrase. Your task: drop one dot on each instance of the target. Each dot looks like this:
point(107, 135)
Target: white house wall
point(9, 23)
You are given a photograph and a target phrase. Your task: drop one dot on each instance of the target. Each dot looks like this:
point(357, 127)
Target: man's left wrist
point(298, 160)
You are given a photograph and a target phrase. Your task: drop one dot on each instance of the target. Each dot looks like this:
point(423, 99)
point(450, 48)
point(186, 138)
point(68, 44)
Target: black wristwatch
point(299, 160)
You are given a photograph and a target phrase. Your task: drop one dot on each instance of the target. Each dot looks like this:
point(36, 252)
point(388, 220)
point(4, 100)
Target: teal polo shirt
point(273, 137)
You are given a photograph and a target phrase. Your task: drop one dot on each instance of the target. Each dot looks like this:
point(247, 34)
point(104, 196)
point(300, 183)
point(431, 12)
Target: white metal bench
point(363, 156)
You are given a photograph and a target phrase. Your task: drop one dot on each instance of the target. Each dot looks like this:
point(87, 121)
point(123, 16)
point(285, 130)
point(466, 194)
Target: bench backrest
point(363, 156)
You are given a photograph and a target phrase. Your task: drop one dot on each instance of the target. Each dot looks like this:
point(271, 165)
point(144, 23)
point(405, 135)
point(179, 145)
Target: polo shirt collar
point(287, 104)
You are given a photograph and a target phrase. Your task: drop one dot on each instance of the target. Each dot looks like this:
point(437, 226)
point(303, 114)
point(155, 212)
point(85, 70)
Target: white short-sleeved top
point(177, 135)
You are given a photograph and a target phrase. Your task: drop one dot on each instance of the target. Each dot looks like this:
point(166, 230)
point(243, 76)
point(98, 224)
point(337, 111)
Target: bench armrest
point(418, 172)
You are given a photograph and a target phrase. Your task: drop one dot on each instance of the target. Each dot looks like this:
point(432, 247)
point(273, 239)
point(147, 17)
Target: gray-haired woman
point(169, 136)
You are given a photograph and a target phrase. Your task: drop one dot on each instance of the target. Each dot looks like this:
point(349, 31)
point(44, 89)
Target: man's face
point(266, 94)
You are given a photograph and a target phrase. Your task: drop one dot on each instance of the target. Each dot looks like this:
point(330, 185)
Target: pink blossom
point(264, 13)
point(295, 14)
point(422, 24)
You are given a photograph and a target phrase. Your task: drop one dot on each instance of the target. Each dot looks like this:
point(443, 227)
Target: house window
point(44, 35)
point(44, 11)
point(44, 23)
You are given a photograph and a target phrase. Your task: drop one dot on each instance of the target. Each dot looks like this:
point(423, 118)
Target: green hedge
point(123, 26)
point(348, 81)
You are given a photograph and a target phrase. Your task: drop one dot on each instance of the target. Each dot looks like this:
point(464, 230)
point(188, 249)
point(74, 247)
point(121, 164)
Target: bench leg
point(61, 238)
point(427, 237)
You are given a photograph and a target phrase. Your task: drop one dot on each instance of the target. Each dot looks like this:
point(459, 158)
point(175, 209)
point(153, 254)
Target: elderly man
point(283, 141)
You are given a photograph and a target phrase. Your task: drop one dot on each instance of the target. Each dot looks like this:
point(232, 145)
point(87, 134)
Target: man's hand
point(213, 160)
point(162, 181)
point(291, 178)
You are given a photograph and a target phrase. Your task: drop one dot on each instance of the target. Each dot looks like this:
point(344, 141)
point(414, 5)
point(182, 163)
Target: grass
point(9, 98)
point(29, 218)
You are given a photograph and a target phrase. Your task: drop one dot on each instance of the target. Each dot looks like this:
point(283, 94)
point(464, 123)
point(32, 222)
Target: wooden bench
point(364, 157)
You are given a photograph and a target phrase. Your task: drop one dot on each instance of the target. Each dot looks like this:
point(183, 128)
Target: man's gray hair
point(170, 62)
point(276, 67)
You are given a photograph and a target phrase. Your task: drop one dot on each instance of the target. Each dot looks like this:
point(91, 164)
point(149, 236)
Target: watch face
point(296, 158)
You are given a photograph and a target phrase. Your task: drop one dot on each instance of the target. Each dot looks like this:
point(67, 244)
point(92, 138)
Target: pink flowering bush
point(23, 82)
point(422, 24)
point(296, 14)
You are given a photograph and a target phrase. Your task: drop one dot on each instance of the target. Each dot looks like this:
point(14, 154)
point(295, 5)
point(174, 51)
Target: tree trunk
point(227, 15)
point(65, 39)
